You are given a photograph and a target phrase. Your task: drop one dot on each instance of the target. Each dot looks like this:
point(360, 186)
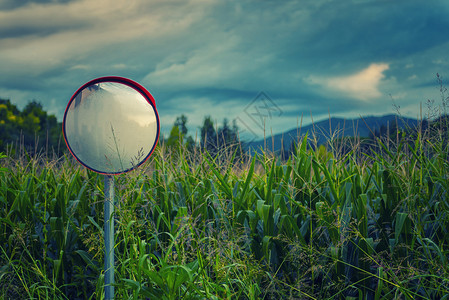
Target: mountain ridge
point(337, 127)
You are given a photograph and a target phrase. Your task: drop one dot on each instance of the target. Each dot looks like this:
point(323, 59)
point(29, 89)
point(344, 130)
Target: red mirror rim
point(134, 85)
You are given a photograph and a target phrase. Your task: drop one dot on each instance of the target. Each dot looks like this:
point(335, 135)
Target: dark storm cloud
point(218, 95)
point(206, 57)
point(13, 4)
point(38, 30)
point(344, 36)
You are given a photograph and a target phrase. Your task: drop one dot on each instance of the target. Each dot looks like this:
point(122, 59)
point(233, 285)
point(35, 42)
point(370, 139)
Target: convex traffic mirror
point(111, 125)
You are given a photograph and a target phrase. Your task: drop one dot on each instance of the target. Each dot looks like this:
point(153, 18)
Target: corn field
point(191, 226)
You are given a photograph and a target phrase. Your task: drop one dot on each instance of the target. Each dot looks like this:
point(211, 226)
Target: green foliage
point(311, 227)
point(178, 136)
point(31, 129)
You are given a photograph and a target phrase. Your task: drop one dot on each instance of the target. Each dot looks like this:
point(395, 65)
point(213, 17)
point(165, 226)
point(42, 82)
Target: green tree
point(208, 135)
point(175, 138)
point(33, 127)
point(225, 136)
point(224, 139)
point(181, 124)
point(10, 123)
point(178, 134)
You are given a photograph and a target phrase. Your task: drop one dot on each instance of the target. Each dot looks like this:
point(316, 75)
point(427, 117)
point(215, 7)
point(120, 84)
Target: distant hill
point(338, 127)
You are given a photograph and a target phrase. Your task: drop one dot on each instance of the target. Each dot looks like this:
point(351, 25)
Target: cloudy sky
point(261, 63)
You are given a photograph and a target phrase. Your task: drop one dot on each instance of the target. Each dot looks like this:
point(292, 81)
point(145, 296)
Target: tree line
point(31, 129)
point(212, 138)
point(34, 131)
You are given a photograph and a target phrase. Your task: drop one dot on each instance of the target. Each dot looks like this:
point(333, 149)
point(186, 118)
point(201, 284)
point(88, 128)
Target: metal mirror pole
point(109, 237)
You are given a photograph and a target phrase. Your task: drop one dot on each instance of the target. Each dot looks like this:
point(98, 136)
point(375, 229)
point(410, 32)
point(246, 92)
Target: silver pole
point(109, 237)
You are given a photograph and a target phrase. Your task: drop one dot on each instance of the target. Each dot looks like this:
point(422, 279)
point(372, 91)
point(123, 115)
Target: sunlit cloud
point(362, 85)
point(79, 67)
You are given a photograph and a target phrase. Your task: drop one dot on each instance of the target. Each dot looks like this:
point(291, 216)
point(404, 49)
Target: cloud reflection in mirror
point(110, 127)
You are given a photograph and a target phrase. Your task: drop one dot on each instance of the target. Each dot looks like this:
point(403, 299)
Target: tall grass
point(320, 225)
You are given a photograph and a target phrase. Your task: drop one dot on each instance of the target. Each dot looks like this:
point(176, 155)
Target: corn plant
point(320, 225)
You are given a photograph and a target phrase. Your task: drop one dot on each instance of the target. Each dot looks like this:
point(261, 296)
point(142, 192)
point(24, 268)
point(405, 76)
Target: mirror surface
point(111, 127)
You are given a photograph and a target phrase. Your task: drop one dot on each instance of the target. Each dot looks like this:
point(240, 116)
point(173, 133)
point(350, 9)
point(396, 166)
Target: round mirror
point(111, 125)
